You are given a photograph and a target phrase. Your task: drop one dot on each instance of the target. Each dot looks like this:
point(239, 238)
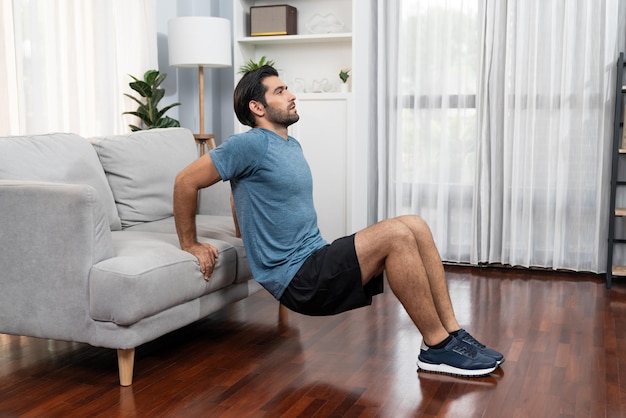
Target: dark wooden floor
point(563, 336)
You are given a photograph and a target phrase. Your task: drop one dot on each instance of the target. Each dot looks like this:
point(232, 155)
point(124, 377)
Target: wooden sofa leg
point(283, 315)
point(126, 362)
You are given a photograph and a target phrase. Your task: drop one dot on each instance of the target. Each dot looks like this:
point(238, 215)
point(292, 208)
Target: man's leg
point(404, 249)
point(438, 284)
point(434, 270)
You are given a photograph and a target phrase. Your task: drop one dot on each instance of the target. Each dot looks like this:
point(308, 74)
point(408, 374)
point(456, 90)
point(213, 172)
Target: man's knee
point(385, 237)
point(418, 225)
point(400, 232)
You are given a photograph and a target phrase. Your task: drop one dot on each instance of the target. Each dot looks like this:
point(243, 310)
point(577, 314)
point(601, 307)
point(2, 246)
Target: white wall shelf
point(323, 96)
point(297, 39)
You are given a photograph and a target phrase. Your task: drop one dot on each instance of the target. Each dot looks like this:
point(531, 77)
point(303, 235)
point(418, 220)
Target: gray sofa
point(89, 251)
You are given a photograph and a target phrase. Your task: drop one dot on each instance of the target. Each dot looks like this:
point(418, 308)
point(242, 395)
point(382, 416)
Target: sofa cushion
point(141, 168)
point(208, 226)
point(150, 273)
point(57, 158)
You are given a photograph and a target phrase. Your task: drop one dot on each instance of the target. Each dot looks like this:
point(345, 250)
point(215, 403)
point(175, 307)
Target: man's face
point(281, 104)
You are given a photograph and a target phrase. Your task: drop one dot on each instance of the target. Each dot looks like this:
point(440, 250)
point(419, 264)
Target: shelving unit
point(309, 63)
point(617, 220)
point(306, 56)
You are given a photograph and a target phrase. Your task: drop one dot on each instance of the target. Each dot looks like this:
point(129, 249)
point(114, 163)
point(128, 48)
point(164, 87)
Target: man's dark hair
point(249, 88)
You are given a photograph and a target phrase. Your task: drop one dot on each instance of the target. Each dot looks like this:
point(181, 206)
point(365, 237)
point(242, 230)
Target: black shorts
point(329, 282)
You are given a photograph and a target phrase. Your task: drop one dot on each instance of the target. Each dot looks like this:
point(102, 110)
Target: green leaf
point(142, 88)
point(139, 102)
point(144, 118)
point(165, 109)
point(157, 95)
point(150, 76)
point(167, 122)
point(344, 75)
point(157, 82)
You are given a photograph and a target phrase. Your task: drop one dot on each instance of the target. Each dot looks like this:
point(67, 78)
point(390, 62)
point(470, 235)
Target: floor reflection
point(127, 402)
point(447, 395)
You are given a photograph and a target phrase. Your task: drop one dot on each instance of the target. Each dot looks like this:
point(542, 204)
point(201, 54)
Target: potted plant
point(252, 65)
point(148, 110)
point(344, 74)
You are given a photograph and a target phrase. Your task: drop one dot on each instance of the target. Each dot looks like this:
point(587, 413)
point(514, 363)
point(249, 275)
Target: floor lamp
point(198, 42)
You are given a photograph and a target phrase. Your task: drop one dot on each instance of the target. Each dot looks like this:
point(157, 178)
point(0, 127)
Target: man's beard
point(281, 117)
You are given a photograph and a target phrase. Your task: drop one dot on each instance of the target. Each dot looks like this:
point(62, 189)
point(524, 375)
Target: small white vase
point(344, 88)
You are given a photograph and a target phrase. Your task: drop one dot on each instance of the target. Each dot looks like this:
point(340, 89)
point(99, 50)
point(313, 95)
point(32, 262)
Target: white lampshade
point(195, 41)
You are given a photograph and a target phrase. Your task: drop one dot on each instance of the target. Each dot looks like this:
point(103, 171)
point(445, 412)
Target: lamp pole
point(201, 138)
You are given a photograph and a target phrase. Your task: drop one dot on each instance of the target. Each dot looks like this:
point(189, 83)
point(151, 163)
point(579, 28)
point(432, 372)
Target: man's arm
point(198, 175)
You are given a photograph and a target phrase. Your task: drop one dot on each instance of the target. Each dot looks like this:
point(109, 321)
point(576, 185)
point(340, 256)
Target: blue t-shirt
point(273, 192)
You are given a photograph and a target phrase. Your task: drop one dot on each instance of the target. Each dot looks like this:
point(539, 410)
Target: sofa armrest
point(52, 234)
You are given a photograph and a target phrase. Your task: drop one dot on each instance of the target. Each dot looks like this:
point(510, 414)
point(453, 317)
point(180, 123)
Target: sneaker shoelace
point(465, 349)
point(467, 337)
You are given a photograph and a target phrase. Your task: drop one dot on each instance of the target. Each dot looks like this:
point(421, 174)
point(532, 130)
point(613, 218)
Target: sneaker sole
point(447, 369)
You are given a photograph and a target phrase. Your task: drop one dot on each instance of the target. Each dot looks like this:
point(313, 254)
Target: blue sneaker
point(466, 337)
point(457, 358)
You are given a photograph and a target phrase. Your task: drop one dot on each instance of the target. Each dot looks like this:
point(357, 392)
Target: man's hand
point(199, 174)
point(206, 255)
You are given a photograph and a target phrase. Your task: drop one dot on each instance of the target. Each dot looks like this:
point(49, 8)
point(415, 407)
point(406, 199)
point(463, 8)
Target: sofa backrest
point(57, 158)
point(141, 168)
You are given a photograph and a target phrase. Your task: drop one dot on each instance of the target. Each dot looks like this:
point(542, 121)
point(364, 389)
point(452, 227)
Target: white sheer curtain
point(433, 153)
point(384, 102)
point(549, 74)
point(504, 118)
point(64, 64)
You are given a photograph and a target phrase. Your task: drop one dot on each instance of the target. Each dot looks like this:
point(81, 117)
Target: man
point(272, 190)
